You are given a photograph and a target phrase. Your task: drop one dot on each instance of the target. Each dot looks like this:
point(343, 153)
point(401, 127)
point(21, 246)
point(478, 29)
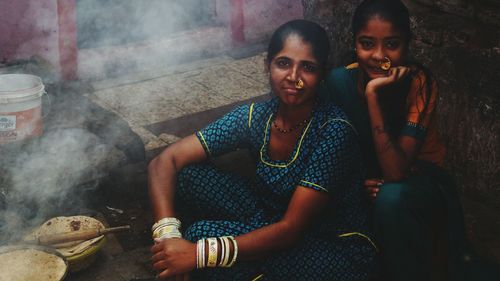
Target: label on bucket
point(19, 125)
point(7, 122)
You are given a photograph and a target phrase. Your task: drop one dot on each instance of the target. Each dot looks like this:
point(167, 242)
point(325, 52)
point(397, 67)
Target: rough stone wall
point(460, 41)
point(335, 16)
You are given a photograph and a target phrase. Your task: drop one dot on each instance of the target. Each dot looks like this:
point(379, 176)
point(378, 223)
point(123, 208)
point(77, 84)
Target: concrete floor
point(150, 98)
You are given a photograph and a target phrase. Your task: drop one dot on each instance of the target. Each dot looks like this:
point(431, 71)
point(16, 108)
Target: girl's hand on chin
point(394, 75)
point(173, 257)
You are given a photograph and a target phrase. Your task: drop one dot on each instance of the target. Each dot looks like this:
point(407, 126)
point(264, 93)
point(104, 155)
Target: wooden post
point(237, 22)
point(68, 49)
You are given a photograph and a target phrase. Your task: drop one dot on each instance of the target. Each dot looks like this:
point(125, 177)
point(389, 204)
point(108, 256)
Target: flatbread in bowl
point(29, 262)
point(79, 254)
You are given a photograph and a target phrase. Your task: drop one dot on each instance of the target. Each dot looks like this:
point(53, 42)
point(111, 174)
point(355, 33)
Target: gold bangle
point(212, 252)
point(167, 231)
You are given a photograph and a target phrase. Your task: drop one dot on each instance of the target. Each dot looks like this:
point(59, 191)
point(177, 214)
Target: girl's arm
point(395, 156)
point(162, 173)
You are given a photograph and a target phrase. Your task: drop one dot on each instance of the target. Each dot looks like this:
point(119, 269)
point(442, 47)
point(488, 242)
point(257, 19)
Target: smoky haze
point(118, 37)
point(42, 177)
point(105, 23)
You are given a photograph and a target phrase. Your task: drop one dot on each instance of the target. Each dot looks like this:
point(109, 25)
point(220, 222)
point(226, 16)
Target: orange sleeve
point(420, 107)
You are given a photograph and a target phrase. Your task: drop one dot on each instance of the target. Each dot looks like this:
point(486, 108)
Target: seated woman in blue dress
point(301, 217)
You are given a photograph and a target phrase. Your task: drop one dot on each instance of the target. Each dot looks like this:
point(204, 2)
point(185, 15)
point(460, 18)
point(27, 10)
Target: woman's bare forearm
point(269, 239)
point(304, 210)
point(162, 173)
point(161, 181)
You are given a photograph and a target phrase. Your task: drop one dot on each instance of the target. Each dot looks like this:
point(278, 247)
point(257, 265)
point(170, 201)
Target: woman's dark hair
point(395, 12)
point(309, 31)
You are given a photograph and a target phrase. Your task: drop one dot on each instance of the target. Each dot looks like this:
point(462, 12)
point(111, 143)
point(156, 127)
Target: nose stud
point(299, 84)
point(385, 63)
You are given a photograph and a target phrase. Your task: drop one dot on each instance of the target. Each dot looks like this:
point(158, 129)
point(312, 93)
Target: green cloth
point(340, 88)
point(405, 212)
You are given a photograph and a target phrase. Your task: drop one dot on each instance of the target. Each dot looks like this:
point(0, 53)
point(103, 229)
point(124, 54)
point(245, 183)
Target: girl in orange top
point(391, 102)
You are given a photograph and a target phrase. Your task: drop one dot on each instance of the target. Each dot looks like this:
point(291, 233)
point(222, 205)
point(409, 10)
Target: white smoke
point(115, 37)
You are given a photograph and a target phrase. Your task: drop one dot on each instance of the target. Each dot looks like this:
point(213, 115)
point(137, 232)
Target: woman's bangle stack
point(219, 254)
point(167, 228)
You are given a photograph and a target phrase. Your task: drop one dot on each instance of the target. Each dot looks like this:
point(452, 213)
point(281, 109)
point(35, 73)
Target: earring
point(355, 50)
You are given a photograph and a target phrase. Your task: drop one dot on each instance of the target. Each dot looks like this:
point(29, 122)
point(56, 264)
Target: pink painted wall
point(31, 27)
point(260, 17)
point(28, 28)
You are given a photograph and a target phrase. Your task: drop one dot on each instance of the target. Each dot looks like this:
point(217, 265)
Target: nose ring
point(385, 63)
point(299, 84)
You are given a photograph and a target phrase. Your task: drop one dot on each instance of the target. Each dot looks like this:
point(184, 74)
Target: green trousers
point(409, 217)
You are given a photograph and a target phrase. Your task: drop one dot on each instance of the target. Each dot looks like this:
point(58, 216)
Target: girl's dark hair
point(309, 31)
point(395, 12)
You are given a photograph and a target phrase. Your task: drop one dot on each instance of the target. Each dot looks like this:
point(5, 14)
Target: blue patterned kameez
point(326, 158)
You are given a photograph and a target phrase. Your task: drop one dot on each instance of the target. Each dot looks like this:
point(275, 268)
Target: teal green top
point(341, 89)
point(401, 115)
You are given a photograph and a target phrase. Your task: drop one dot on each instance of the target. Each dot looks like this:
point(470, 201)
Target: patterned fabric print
point(317, 258)
point(213, 204)
point(241, 270)
point(205, 193)
point(326, 158)
point(227, 134)
point(346, 259)
point(332, 159)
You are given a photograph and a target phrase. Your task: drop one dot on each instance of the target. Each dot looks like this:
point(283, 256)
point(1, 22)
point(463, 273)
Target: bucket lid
point(20, 87)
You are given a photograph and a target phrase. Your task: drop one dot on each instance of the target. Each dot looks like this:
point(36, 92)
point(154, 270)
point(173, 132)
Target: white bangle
point(225, 252)
point(200, 254)
point(235, 254)
point(166, 221)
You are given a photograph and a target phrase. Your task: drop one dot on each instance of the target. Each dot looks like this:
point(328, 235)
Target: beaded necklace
point(294, 127)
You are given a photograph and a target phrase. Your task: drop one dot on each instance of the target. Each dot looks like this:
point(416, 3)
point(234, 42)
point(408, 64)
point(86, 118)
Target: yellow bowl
point(81, 260)
point(84, 259)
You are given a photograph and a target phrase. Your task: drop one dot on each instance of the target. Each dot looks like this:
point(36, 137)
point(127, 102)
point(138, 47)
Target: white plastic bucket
point(20, 107)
